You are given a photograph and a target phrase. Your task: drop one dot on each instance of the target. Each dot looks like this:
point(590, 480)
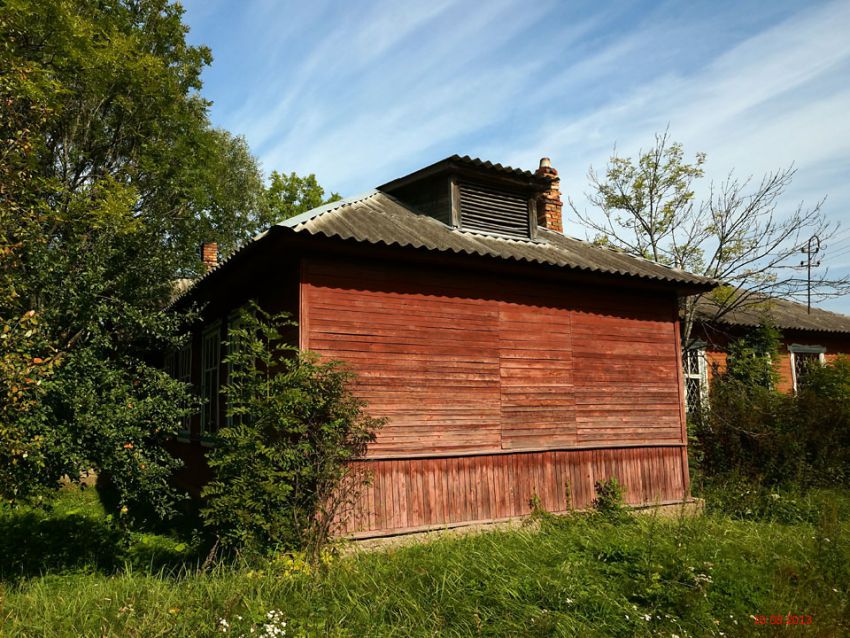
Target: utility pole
point(811, 249)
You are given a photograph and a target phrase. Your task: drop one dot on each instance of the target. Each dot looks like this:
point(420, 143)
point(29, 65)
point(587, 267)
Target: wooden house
point(511, 361)
point(808, 336)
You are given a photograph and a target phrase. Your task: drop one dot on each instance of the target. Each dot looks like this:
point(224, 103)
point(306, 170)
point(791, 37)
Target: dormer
point(480, 197)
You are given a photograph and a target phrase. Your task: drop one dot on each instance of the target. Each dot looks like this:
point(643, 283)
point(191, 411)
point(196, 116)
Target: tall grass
point(576, 576)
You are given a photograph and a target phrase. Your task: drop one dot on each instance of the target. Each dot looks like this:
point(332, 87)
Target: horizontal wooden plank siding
point(536, 373)
point(411, 494)
point(626, 379)
point(463, 364)
point(428, 362)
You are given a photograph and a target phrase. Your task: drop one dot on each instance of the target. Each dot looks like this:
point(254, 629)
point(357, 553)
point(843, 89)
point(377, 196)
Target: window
point(696, 383)
point(802, 358)
point(210, 379)
point(178, 365)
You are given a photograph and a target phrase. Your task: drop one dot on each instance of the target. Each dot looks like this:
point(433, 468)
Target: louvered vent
point(492, 210)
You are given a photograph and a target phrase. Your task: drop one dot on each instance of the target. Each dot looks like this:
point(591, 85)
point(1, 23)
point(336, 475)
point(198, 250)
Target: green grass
point(576, 576)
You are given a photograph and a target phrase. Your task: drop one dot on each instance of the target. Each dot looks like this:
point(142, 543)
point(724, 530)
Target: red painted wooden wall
point(468, 369)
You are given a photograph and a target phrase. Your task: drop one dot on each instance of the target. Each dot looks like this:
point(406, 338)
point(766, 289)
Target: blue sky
point(361, 92)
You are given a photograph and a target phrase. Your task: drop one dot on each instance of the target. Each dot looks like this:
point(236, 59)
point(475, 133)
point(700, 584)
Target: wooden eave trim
point(454, 201)
point(529, 186)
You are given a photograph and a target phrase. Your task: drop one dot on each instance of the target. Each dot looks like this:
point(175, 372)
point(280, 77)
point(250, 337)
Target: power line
point(842, 243)
point(840, 253)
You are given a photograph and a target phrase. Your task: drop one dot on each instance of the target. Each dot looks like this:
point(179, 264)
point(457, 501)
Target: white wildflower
point(647, 617)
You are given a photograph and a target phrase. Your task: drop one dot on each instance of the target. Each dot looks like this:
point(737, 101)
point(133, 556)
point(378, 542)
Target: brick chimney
point(549, 203)
point(209, 255)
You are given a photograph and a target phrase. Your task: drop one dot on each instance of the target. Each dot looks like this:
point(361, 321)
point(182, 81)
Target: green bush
point(282, 468)
point(823, 414)
point(752, 430)
point(609, 497)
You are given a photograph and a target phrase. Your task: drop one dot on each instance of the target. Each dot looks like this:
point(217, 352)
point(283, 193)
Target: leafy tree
point(737, 234)
point(290, 195)
point(282, 472)
point(110, 177)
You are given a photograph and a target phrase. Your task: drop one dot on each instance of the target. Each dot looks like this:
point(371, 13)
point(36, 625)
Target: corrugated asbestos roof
point(477, 163)
point(379, 218)
point(784, 314)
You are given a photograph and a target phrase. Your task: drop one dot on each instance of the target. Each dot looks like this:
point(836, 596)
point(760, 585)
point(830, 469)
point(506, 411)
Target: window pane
point(210, 353)
point(693, 390)
point(803, 362)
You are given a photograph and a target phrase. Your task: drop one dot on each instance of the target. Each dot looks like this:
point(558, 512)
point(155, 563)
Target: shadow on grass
point(34, 542)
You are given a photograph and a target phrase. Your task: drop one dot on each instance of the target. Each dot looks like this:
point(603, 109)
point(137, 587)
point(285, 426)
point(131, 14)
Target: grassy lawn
point(67, 572)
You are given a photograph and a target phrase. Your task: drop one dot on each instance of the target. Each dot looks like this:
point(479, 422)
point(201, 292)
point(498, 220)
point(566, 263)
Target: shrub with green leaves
point(750, 358)
point(753, 430)
point(609, 497)
point(823, 415)
point(282, 467)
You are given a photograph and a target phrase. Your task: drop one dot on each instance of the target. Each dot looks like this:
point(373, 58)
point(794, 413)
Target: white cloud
point(775, 99)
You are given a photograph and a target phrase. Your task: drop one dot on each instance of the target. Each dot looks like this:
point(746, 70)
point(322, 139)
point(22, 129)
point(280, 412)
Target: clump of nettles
point(609, 499)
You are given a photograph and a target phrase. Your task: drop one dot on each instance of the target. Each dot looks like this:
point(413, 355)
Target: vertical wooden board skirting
point(413, 494)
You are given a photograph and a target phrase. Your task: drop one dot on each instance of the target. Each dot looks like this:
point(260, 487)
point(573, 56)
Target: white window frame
point(212, 403)
point(797, 348)
point(701, 374)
